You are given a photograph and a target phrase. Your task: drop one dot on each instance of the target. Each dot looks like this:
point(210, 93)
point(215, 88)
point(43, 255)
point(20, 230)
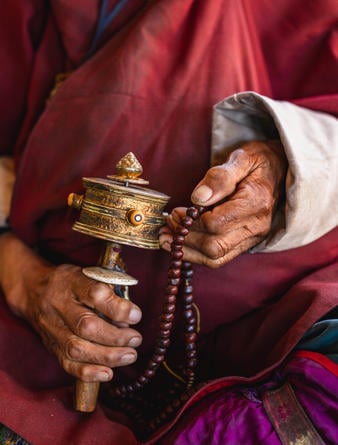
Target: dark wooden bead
point(177, 247)
point(169, 409)
point(157, 421)
point(187, 221)
point(191, 338)
point(167, 317)
point(188, 289)
point(170, 299)
point(188, 314)
point(130, 388)
point(166, 325)
point(137, 385)
point(174, 273)
point(152, 364)
point(176, 403)
point(158, 358)
point(192, 354)
point(178, 239)
point(177, 255)
point(169, 308)
point(163, 342)
point(192, 321)
point(186, 265)
point(192, 363)
point(190, 346)
point(116, 392)
point(160, 351)
point(174, 281)
point(171, 290)
point(188, 299)
point(184, 397)
point(123, 389)
point(143, 380)
point(163, 416)
point(165, 334)
point(182, 230)
point(193, 212)
point(176, 264)
point(149, 373)
point(189, 328)
point(187, 273)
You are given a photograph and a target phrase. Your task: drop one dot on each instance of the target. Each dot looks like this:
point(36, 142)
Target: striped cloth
point(8, 437)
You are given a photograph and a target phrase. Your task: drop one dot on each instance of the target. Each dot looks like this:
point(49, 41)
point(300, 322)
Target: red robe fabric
point(150, 89)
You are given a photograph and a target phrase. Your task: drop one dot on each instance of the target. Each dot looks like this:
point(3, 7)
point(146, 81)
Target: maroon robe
point(150, 89)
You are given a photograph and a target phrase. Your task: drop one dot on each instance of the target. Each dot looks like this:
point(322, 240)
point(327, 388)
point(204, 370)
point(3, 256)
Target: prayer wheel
point(119, 210)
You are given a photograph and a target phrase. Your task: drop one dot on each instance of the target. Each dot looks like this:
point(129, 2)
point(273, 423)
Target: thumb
point(219, 182)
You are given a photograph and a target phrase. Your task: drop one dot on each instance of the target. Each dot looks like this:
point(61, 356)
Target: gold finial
point(128, 169)
point(129, 166)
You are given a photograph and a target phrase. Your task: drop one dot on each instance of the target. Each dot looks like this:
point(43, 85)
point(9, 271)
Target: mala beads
point(179, 281)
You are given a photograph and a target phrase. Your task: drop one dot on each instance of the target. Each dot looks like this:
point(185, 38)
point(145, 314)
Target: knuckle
point(218, 249)
point(121, 308)
point(84, 373)
point(215, 172)
point(215, 263)
point(215, 249)
point(263, 225)
point(99, 292)
point(238, 155)
point(215, 223)
point(260, 198)
point(87, 325)
point(72, 368)
point(73, 348)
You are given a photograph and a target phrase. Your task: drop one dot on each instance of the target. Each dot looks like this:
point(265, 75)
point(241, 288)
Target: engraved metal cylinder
point(122, 214)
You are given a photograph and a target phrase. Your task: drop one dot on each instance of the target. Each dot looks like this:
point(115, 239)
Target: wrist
point(22, 273)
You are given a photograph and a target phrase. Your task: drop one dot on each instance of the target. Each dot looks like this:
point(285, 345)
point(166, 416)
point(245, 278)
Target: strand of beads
point(179, 279)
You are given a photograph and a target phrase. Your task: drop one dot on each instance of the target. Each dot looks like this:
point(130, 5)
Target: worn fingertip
point(201, 195)
point(135, 315)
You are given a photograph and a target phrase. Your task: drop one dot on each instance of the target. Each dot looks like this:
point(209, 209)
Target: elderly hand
point(240, 197)
point(62, 305)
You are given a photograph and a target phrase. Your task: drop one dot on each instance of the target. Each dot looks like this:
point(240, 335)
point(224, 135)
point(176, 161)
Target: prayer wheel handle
point(86, 394)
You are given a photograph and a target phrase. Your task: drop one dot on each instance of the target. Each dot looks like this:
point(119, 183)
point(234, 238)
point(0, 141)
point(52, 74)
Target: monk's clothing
point(151, 88)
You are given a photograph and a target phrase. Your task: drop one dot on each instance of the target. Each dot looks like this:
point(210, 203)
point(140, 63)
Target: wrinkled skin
point(62, 304)
point(240, 197)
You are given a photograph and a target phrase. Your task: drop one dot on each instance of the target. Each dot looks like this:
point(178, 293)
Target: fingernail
point(202, 194)
point(135, 315)
point(127, 359)
point(134, 342)
point(103, 376)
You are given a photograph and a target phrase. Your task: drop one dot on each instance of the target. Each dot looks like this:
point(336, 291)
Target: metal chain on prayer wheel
point(120, 210)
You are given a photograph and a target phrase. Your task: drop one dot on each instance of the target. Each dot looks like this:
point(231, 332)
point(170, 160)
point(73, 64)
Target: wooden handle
point(86, 396)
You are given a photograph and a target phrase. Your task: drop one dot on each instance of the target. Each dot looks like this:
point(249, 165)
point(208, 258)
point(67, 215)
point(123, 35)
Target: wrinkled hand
point(62, 305)
point(240, 197)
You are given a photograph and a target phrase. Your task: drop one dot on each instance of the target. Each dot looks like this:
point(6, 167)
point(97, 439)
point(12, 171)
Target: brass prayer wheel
point(119, 210)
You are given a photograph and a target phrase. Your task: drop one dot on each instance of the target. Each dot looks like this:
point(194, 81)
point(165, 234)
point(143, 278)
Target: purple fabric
point(236, 415)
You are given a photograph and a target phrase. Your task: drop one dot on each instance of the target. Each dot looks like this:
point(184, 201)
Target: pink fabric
point(231, 411)
point(150, 89)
